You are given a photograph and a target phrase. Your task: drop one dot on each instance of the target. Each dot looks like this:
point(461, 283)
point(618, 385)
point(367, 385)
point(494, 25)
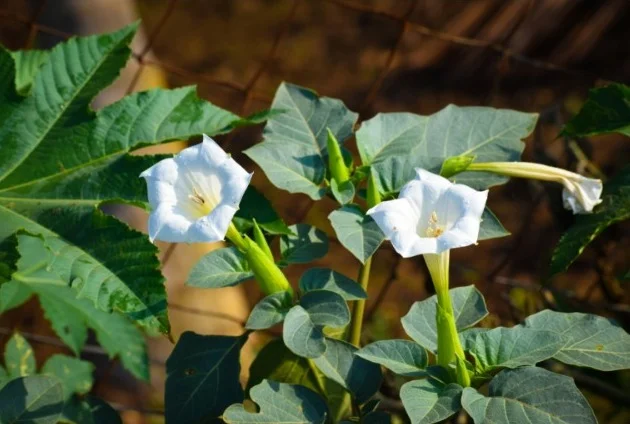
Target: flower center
point(200, 204)
point(433, 229)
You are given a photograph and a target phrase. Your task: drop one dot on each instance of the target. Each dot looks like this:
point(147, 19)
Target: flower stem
point(449, 346)
point(354, 337)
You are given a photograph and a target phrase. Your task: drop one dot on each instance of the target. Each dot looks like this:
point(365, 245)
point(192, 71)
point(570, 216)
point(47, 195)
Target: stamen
point(196, 197)
point(434, 230)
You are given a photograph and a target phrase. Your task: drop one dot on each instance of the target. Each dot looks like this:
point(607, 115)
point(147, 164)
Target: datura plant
point(417, 183)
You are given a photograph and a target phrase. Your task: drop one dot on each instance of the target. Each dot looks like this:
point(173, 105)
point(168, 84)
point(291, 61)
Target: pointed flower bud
point(580, 194)
point(373, 195)
point(338, 169)
point(261, 241)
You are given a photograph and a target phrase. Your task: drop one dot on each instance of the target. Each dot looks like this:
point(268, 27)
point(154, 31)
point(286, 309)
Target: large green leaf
point(403, 357)
point(61, 160)
point(606, 110)
point(27, 64)
point(393, 144)
point(293, 152)
point(35, 399)
point(269, 311)
point(356, 231)
point(529, 395)
point(510, 347)
point(591, 341)
point(70, 316)
point(202, 377)
point(469, 308)
point(360, 377)
point(428, 401)
point(615, 207)
point(301, 335)
point(220, 268)
point(326, 308)
point(279, 403)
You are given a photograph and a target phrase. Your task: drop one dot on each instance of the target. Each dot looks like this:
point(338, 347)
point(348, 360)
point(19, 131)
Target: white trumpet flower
point(195, 194)
point(579, 195)
point(431, 215)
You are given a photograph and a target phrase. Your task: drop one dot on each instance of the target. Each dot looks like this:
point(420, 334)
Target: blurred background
point(377, 56)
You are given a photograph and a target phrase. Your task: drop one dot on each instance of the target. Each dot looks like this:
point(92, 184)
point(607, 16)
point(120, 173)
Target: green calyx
point(373, 195)
point(338, 169)
point(270, 278)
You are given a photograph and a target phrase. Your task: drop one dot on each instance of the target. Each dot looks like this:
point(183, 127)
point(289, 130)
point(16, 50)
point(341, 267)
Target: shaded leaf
point(254, 205)
point(403, 357)
point(356, 231)
point(301, 335)
point(532, 395)
point(293, 150)
point(606, 110)
point(222, 267)
point(202, 377)
point(615, 207)
point(396, 143)
point(591, 341)
point(35, 399)
point(359, 376)
point(327, 279)
point(490, 226)
point(428, 401)
point(269, 311)
point(344, 192)
point(75, 375)
point(469, 308)
point(326, 308)
point(305, 245)
point(279, 403)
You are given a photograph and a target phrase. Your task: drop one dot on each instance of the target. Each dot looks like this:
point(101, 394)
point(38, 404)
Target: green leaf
point(269, 311)
point(396, 143)
point(327, 279)
point(102, 413)
point(293, 151)
point(344, 192)
point(61, 160)
point(223, 267)
point(606, 110)
point(19, 357)
point(428, 401)
point(306, 244)
point(615, 207)
point(591, 341)
point(510, 347)
point(356, 231)
point(27, 64)
point(469, 308)
point(12, 295)
point(202, 377)
point(75, 375)
point(529, 395)
point(326, 308)
point(255, 206)
point(301, 335)
point(491, 227)
point(276, 362)
point(279, 403)
point(35, 399)
point(4, 377)
point(360, 377)
point(89, 410)
point(71, 316)
point(403, 357)
point(455, 165)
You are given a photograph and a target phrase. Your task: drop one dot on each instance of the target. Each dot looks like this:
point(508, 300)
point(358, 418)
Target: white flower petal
point(161, 192)
point(167, 223)
point(409, 244)
point(581, 195)
point(165, 170)
point(235, 181)
point(424, 196)
point(437, 181)
point(213, 227)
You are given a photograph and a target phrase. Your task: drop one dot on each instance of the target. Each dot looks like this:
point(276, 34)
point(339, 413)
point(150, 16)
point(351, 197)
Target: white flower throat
point(433, 228)
point(203, 195)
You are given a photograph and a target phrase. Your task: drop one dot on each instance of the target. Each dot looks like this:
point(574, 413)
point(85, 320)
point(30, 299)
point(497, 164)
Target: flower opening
point(431, 215)
point(195, 194)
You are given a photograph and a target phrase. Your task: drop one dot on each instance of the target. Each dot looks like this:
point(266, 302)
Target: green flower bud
point(373, 195)
point(261, 241)
point(338, 169)
point(270, 278)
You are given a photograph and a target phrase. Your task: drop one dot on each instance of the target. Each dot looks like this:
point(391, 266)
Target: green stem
point(235, 237)
point(449, 346)
point(356, 324)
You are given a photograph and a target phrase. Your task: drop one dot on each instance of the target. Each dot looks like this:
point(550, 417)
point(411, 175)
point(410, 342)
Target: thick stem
point(449, 346)
point(354, 337)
